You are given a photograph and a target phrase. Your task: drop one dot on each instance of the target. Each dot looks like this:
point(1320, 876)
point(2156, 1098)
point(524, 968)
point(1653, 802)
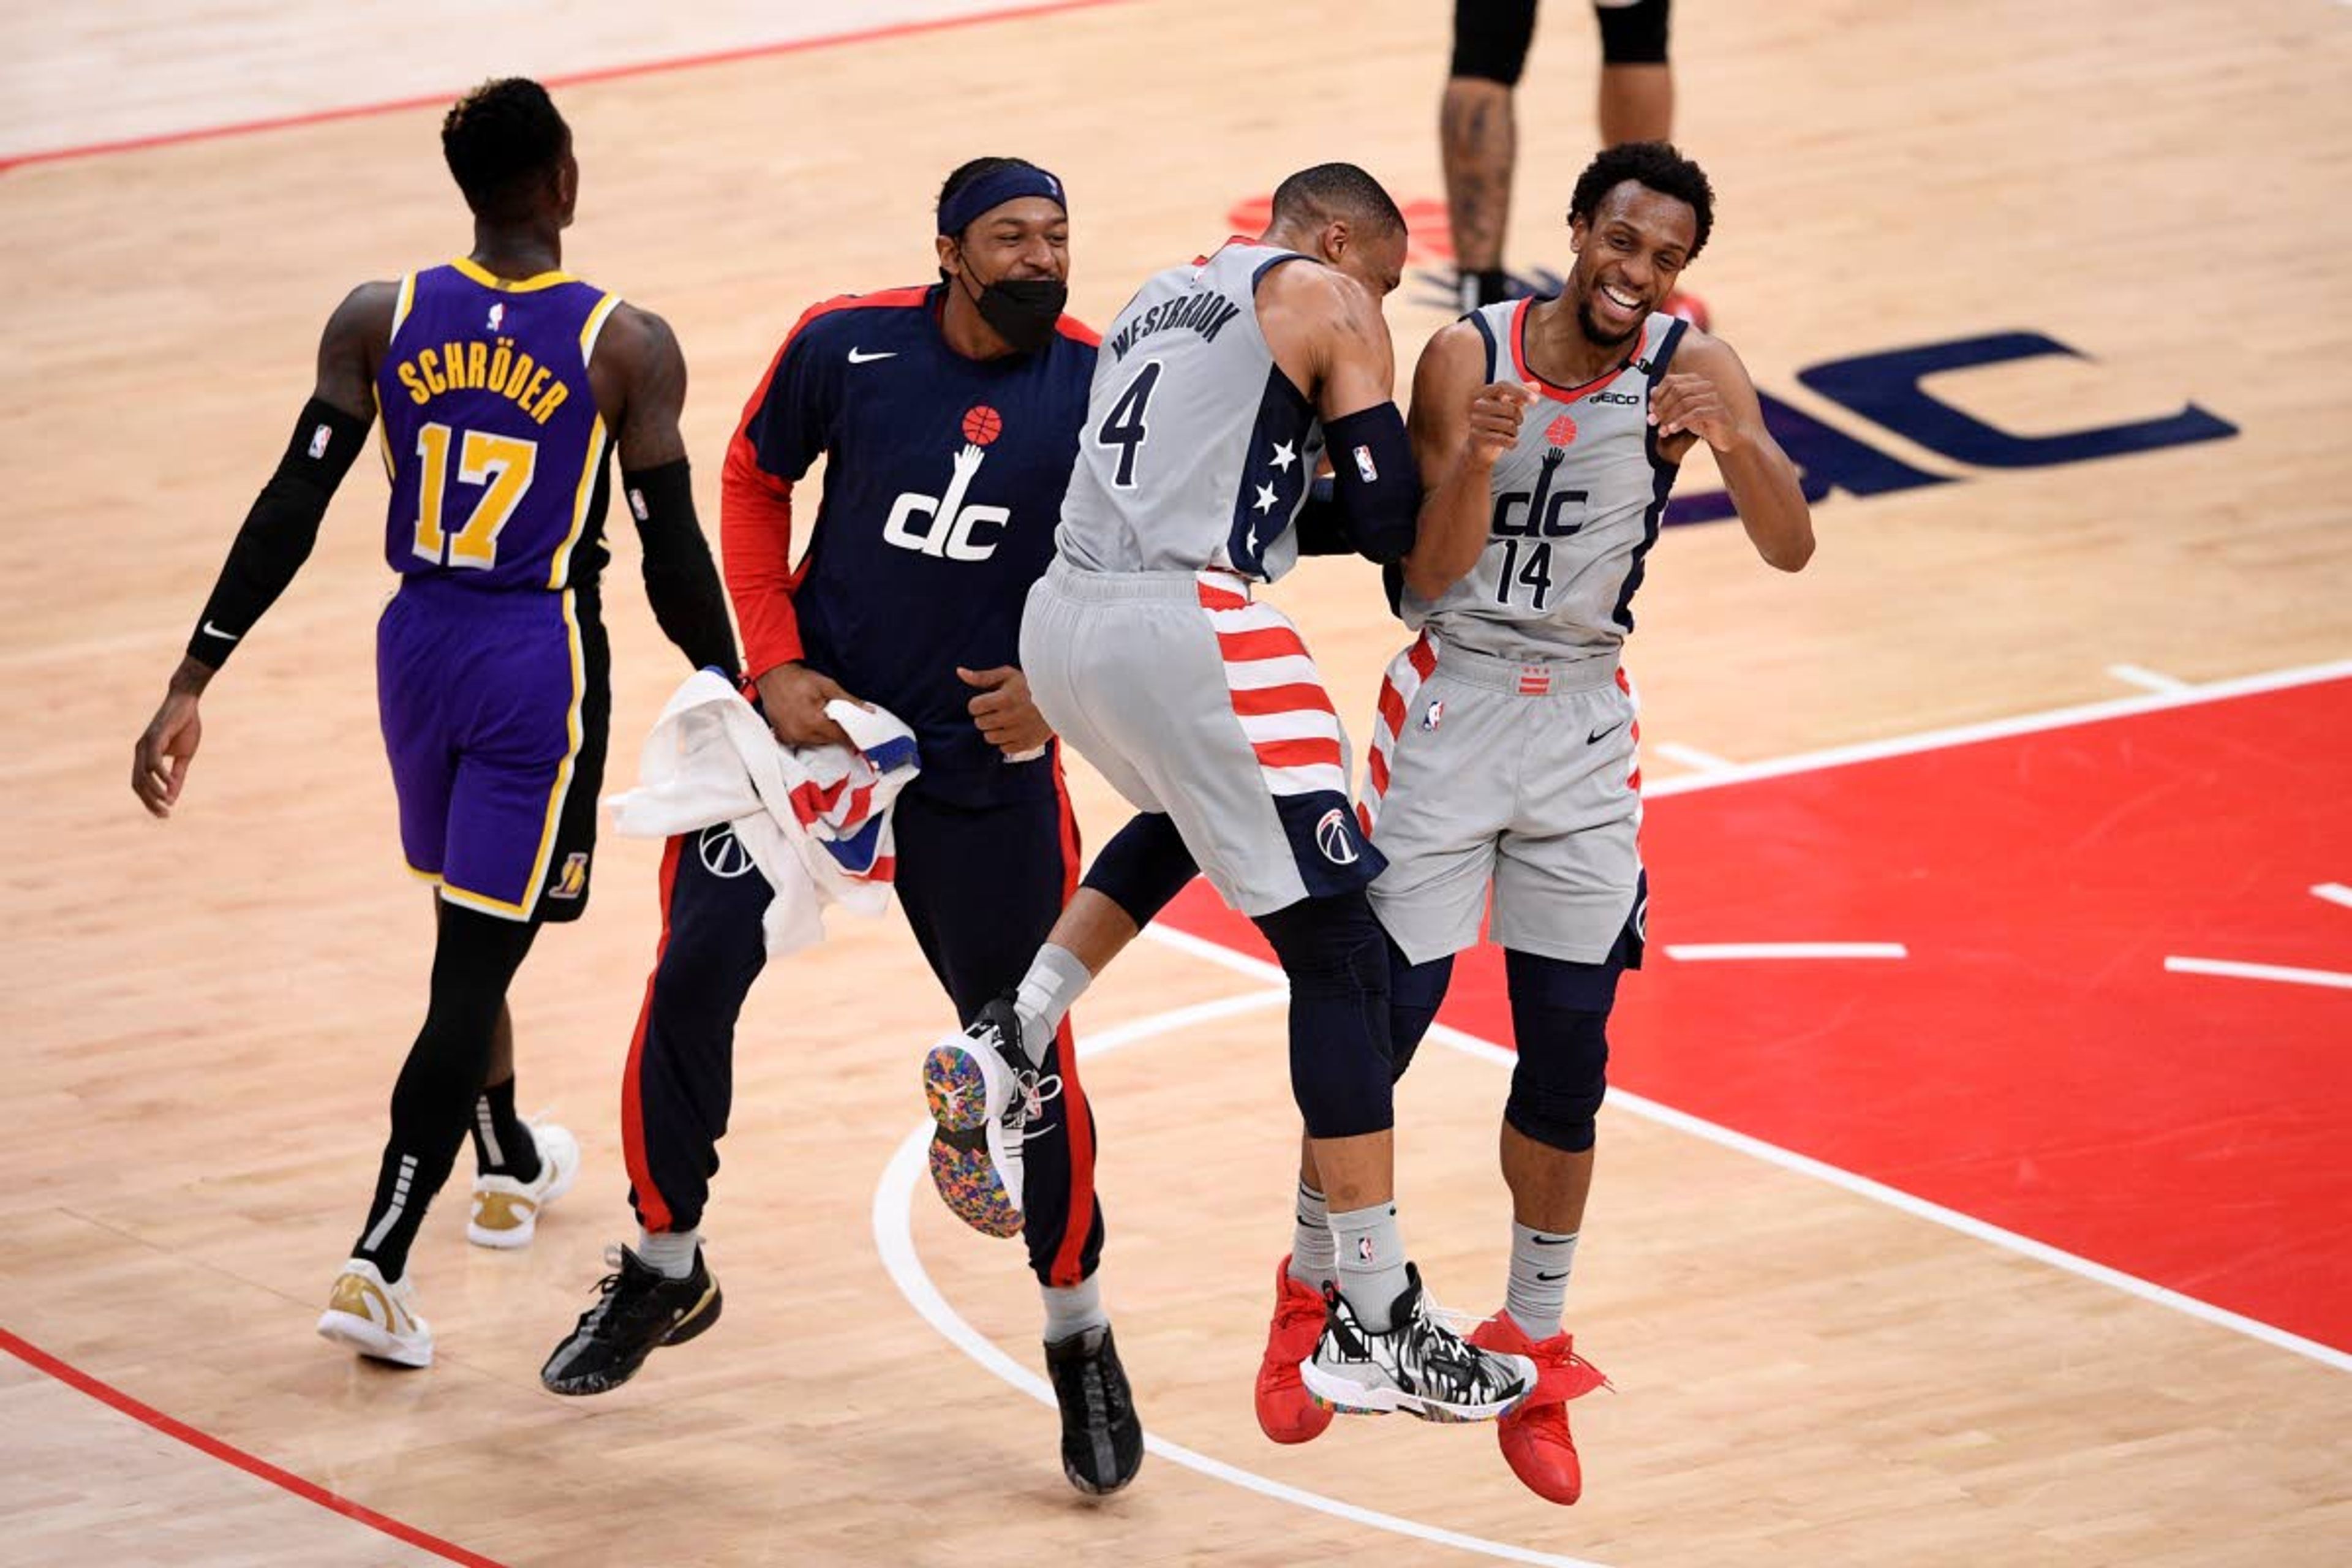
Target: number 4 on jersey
point(1123, 427)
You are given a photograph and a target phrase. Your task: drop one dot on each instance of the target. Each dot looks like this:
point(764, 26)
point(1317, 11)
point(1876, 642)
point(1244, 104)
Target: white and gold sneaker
point(376, 1317)
point(506, 1211)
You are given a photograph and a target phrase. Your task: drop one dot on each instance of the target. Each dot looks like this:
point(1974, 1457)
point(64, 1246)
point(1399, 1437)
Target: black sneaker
point(1421, 1366)
point(639, 1309)
point(1102, 1441)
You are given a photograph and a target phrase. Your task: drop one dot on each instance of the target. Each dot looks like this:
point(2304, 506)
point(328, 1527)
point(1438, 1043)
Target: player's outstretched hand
point(159, 763)
point(794, 696)
point(1495, 413)
point(1004, 711)
point(1685, 401)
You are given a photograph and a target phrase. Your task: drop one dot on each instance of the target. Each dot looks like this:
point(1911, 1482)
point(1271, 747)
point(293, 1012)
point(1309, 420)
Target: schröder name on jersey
point(481, 366)
point(1205, 313)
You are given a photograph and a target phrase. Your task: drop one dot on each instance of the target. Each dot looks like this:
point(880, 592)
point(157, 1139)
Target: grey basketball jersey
point(1197, 449)
point(1574, 507)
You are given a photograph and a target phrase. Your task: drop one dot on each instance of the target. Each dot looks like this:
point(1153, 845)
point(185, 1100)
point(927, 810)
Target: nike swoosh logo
point(213, 631)
point(859, 357)
point(1548, 1278)
point(1552, 1240)
point(1597, 734)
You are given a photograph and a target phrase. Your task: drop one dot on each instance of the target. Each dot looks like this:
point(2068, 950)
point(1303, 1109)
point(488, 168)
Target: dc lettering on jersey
point(942, 526)
point(1542, 511)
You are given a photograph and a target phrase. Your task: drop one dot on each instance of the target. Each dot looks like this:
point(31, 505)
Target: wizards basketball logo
point(1335, 835)
point(941, 526)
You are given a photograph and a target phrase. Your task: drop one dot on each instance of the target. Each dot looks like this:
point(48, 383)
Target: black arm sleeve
point(280, 529)
point(681, 580)
point(1321, 528)
point(1375, 482)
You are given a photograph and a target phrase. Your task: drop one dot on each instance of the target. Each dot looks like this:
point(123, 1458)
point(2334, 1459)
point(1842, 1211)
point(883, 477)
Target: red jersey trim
point(755, 509)
point(1567, 393)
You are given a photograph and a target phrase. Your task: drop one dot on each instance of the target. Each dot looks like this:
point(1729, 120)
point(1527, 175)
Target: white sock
point(1314, 1253)
point(1370, 1264)
point(1073, 1310)
point(1054, 981)
point(670, 1251)
point(1537, 1290)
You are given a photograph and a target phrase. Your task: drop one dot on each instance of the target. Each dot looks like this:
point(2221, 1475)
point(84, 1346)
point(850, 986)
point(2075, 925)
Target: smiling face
point(1028, 237)
point(1628, 257)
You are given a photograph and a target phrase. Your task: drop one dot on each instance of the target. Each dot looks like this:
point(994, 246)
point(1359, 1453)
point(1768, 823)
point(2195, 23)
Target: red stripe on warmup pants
point(1076, 1116)
point(654, 1212)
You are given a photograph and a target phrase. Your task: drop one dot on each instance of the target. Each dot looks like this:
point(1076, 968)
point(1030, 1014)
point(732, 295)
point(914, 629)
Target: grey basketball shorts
point(1518, 778)
point(1194, 700)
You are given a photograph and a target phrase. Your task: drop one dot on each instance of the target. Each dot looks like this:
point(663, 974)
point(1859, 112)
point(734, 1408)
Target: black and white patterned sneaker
point(1420, 1366)
point(981, 1088)
point(639, 1309)
point(1102, 1439)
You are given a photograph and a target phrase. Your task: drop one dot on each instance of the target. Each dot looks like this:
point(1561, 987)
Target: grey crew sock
point(1313, 1254)
point(670, 1251)
point(1371, 1263)
point(1054, 981)
point(1541, 1260)
point(1073, 1310)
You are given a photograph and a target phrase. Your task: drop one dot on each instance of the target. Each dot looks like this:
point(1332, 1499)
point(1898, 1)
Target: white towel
point(815, 820)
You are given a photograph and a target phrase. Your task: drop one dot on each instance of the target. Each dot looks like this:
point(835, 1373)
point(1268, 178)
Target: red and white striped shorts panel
point(1398, 687)
point(1633, 732)
point(1276, 692)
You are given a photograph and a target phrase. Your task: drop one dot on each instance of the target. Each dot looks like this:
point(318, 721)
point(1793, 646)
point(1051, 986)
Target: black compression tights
point(475, 958)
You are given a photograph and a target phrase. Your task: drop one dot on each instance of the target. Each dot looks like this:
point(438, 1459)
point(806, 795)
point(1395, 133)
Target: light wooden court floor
point(202, 1016)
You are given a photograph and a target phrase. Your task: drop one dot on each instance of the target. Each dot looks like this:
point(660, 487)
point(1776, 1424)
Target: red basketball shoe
point(1286, 1411)
point(1534, 1437)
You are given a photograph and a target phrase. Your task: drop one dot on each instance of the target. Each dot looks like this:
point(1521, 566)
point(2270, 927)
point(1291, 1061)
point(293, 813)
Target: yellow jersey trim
point(490, 280)
point(560, 564)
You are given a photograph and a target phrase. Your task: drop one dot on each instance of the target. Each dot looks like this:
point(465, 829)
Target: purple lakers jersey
point(492, 438)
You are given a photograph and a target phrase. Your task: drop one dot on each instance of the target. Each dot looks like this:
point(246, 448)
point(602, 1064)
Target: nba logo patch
point(638, 505)
point(1434, 715)
point(573, 880)
point(497, 316)
point(1365, 465)
point(319, 442)
point(1363, 1249)
point(1332, 837)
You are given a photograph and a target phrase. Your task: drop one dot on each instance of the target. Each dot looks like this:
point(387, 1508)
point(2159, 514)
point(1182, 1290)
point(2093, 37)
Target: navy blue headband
point(995, 188)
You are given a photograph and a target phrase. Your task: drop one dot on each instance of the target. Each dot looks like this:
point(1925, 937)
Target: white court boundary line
point(1708, 951)
point(894, 1237)
point(2231, 969)
point(2148, 680)
point(2335, 893)
point(1835, 1175)
point(2001, 728)
point(893, 1213)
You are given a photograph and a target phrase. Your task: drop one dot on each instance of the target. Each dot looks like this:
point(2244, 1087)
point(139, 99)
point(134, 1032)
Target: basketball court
point(1974, 1182)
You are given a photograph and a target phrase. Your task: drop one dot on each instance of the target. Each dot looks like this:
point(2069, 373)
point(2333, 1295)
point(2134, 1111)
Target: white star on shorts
point(1283, 457)
point(1266, 498)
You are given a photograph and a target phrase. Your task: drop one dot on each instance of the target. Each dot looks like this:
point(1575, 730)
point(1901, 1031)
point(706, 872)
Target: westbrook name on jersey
point(943, 478)
point(1198, 451)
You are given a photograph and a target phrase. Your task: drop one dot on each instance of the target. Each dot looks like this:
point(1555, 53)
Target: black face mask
point(1024, 311)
